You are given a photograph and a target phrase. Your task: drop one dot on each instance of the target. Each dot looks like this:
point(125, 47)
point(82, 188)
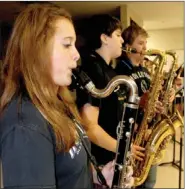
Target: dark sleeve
point(27, 160)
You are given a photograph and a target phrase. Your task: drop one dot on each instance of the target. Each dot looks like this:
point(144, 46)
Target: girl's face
point(64, 53)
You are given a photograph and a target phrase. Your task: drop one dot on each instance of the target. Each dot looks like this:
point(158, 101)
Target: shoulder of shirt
point(92, 57)
point(123, 67)
point(89, 56)
point(27, 117)
point(91, 62)
point(145, 69)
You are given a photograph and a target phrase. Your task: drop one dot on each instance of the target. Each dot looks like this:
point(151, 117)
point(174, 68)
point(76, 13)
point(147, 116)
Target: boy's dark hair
point(131, 32)
point(97, 25)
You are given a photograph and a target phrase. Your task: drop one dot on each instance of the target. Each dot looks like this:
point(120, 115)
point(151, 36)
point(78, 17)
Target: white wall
point(127, 13)
point(168, 39)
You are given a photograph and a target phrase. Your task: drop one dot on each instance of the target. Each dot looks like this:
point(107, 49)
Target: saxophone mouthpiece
point(129, 50)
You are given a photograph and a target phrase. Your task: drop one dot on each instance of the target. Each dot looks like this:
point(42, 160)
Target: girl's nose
point(76, 55)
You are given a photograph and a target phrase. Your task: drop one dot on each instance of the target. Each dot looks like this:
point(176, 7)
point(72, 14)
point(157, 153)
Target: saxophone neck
point(169, 81)
point(171, 53)
point(175, 60)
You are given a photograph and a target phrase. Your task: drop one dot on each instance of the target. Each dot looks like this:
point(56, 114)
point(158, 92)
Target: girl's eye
point(67, 45)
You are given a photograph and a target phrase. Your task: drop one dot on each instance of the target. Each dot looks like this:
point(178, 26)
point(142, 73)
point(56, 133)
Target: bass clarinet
point(126, 124)
point(124, 132)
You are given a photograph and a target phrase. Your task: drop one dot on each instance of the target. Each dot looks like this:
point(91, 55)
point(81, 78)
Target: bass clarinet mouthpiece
point(80, 77)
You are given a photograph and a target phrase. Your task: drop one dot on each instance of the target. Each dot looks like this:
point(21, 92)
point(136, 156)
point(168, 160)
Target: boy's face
point(139, 44)
point(114, 44)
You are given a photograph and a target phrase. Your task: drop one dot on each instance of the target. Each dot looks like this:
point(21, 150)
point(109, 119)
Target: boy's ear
point(103, 38)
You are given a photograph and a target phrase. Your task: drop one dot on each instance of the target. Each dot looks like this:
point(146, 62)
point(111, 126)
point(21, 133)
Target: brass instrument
point(141, 169)
point(150, 65)
point(129, 50)
point(162, 134)
point(168, 124)
point(169, 82)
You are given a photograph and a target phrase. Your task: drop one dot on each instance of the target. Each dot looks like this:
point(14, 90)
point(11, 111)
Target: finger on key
point(130, 183)
point(129, 171)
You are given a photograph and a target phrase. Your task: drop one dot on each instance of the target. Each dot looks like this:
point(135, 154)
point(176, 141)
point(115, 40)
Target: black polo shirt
point(100, 74)
point(139, 74)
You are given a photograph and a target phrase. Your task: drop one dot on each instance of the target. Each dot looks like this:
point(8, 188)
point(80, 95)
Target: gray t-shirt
point(29, 159)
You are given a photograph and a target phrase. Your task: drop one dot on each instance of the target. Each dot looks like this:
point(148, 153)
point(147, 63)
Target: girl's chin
point(67, 82)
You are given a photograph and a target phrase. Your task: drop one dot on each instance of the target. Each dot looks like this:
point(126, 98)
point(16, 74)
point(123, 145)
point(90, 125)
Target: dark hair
point(131, 32)
point(97, 25)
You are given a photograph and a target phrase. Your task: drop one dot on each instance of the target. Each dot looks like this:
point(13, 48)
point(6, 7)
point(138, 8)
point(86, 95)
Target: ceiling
point(156, 15)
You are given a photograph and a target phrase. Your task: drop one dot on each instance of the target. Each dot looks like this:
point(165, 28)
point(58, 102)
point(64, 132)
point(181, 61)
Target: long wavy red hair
point(27, 68)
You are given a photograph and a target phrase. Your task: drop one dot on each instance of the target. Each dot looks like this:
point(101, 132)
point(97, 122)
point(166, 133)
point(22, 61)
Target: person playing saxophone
point(131, 64)
point(103, 37)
